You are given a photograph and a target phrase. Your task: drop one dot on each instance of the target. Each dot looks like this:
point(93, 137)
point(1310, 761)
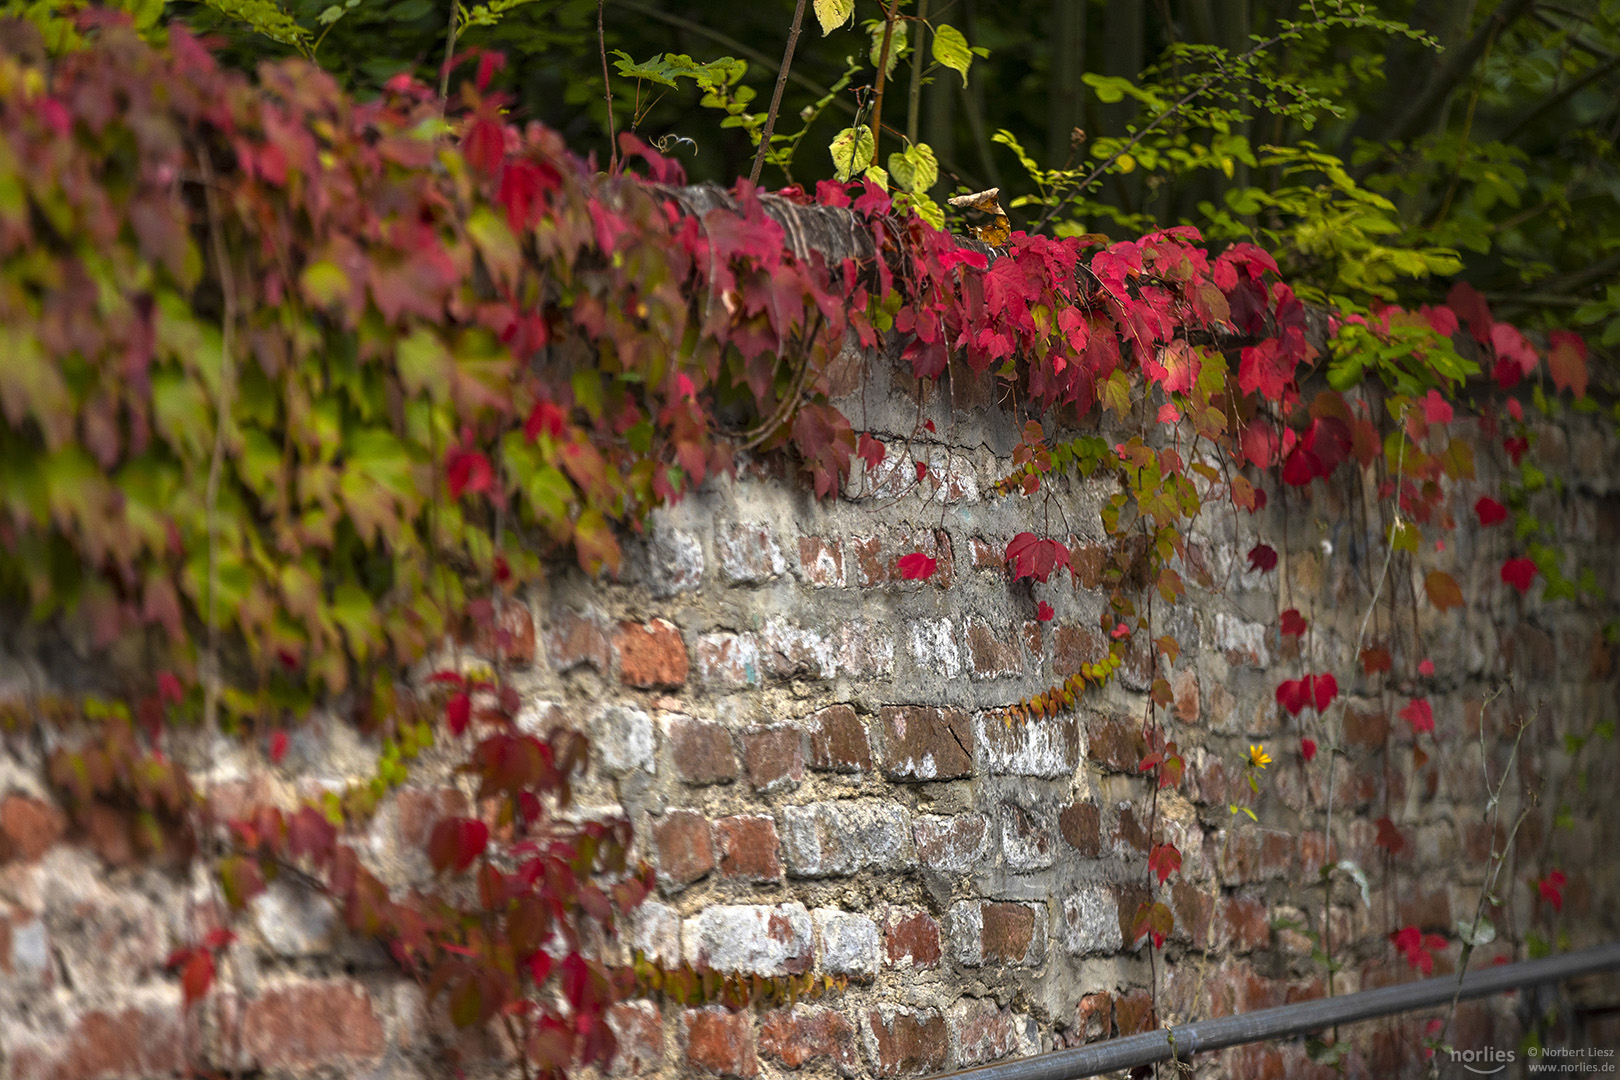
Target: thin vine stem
point(776, 96)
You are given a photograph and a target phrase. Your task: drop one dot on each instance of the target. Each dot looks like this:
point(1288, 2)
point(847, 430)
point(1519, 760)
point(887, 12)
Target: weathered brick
point(1427, 909)
point(728, 661)
point(1242, 642)
point(1074, 647)
point(685, 854)
point(1117, 743)
point(510, 634)
point(622, 736)
point(1046, 748)
point(748, 848)
point(417, 810)
point(1184, 685)
point(864, 649)
point(1256, 854)
point(986, 555)
point(774, 757)
point(655, 930)
point(702, 750)
point(1130, 832)
point(821, 561)
point(838, 741)
point(1242, 924)
point(137, 1041)
point(830, 839)
point(1094, 1017)
point(950, 844)
point(1087, 561)
point(803, 1034)
point(748, 554)
point(28, 827)
point(792, 652)
point(911, 940)
point(1133, 1012)
point(871, 568)
point(1091, 915)
point(904, 1042)
point(1365, 730)
point(311, 1023)
point(1079, 824)
point(651, 654)
point(1026, 836)
point(933, 647)
point(996, 933)
point(982, 1032)
point(294, 920)
point(677, 561)
point(923, 743)
point(753, 938)
point(720, 1041)
point(638, 1027)
point(992, 655)
point(849, 943)
point(1034, 635)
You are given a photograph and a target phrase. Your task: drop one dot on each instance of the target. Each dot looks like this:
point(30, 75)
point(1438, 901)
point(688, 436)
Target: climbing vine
point(358, 371)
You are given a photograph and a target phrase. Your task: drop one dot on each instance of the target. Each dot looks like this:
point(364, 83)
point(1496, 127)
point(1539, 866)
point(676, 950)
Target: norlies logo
point(1486, 1062)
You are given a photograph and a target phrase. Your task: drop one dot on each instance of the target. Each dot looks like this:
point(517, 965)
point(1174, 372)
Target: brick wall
point(804, 743)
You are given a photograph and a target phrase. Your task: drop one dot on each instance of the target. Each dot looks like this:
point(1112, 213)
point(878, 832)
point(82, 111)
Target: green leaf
point(1482, 932)
point(914, 168)
point(832, 14)
point(425, 364)
point(852, 151)
point(897, 45)
point(265, 17)
point(951, 50)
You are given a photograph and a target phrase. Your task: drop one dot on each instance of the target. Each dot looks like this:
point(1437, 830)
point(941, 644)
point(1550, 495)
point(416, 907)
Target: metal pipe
point(1290, 1020)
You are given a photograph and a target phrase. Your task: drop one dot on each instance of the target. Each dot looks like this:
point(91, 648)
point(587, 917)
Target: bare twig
point(776, 97)
point(889, 17)
point(449, 55)
point(914, 97)
point(607, 91)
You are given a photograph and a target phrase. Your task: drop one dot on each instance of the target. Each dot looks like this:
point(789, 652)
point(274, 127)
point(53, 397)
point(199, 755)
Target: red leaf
point(929, 425)
point(1164, 860)
point(870, 450)
point(1436, 409)
point(1389, 837)
point(1324, 690)
point(457, 712)
point(1293, 696)
point(1420, 714)
point(1035, 558)
point(546, 418)
point(457, 843)
point(197, 975)
point(484, 145)
point(169, 688)
point(917, 566)
point(922, 471)
point(1308, 748)
point(1566, 360)
point(1426, 667)
point(278, 746)
point(1551, 888)
point(1375, 659)
point(1490, 511)
point(1519, 573)
point(1472, 309)
point(1044, 612)
point(1152, 917)
point(1516, 447)
point(468, 471)
point(1444, 592)
point(1263, 557)
point(1293, 623)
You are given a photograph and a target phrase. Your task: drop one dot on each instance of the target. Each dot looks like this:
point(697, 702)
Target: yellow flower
point(1257, 756)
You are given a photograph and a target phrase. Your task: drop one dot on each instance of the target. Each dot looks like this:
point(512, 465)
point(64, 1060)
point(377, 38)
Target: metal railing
point(1285, 1021)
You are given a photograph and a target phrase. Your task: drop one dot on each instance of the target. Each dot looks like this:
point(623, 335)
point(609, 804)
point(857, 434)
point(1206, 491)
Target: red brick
point(986, 556)
point(1074, 646)
point(418, 810)
point(907, 1043)
point(870, 566)
point(103, 1045)
point(822, 561)
point(1192, 907)
point(1079, 824)
point(802, 1034)
point(685, 853)
point(982, 1032)
point(574, 639)
point(1008, 932)
point(774, 757)
point(28, 827)
point(1257, 1061)
point(512, 634)
point(1034, 636)
point(1184, 685)
point(651, 654)
point(639, 1028)
point(720, 1041)
point(107, 831)
point(1131, 832)
point(922, 743)
point(1367, 730)
point(1133, 1012)
point(949, 843)
point(748, 848)
point(1117, 742)
point(1427, 910)
point(311, 1023)
point(702, 750)
point(1087, 561)
point(838, 741)
point(1243, 924)
point(992, 655)
point(912, 940)
point(1094, 1017)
